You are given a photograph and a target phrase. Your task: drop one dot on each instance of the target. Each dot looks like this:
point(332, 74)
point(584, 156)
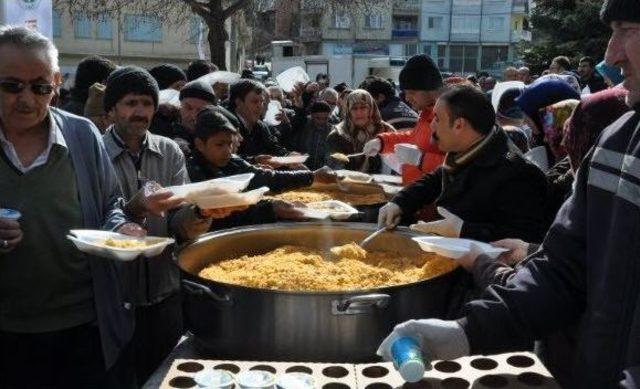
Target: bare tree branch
point(235, 7)
point(198, 8)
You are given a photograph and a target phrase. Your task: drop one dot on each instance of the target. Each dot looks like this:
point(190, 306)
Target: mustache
point(141, 119)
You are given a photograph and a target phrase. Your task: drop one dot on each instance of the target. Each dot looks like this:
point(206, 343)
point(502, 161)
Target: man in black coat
point(589, 77)
point(247, 102)
point(587, 269)
point(485, 189)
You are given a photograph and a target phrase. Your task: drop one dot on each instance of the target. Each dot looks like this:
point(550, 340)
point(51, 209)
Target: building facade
point(464, 36)
point(131, 38)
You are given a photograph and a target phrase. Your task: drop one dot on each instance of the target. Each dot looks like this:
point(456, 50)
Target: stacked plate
point(220, 192)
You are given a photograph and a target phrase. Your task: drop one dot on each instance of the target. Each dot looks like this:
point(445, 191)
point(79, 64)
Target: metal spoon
point(345, 157)
point(371, 236)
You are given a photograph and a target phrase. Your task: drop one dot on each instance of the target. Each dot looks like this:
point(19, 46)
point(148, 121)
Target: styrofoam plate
point(289, 159)
point(217, 186)
point(455, 247)
point(229, 200)
point(387, 179)
point(337, 210)
point(354, 175)
point(92, 242)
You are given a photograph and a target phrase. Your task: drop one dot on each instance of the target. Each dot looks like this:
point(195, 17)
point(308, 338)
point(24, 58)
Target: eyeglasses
point(15, 87)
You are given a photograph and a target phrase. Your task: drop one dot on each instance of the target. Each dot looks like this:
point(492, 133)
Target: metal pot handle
point(359, 304)
point(202, 290)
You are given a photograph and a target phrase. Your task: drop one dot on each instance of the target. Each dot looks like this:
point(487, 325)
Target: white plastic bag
point(270, 117)
point(290, 77)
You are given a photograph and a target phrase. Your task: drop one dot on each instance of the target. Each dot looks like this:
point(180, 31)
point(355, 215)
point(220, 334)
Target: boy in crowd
point(213, 158)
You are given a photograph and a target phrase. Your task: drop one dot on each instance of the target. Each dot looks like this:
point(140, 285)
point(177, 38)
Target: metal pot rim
point(360, 226)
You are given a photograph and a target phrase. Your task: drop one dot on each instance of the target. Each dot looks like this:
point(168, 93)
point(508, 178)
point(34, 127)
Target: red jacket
point(421, 137)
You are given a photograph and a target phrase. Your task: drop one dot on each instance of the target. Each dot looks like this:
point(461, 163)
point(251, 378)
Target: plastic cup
point(11, 214)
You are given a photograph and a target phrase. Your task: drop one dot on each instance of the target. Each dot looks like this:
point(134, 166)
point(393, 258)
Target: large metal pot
point(234, 322)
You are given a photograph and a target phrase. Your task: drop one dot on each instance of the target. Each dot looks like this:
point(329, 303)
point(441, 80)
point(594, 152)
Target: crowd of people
point(543, 166)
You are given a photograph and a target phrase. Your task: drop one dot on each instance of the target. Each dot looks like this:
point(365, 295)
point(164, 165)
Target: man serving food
point(485, 189)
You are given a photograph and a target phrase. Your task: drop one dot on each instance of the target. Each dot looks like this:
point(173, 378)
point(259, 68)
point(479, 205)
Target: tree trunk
point(217, 38)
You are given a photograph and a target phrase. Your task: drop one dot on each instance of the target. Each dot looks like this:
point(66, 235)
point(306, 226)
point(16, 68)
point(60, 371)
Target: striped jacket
point(588, 269)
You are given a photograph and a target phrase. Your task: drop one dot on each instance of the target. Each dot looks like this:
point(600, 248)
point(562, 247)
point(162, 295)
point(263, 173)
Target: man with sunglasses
point(62, 315)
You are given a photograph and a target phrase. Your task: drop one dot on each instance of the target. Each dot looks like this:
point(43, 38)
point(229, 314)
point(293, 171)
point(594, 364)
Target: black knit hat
point(420, 73)
point(320, 106)
point(129, 79)
point(620, 11)
point(166, 74)
point(199, 90)
point(91, 69)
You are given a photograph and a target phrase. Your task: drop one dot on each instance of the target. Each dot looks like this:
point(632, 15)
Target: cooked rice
point(304, 269)
point(312, 195)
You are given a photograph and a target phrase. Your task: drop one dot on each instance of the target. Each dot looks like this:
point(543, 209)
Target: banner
point(36, 14)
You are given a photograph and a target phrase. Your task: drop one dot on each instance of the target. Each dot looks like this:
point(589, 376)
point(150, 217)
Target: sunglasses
point(15, 87)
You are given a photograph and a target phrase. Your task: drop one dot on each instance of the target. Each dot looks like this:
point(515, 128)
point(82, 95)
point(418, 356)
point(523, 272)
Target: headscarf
point(541, 94)
point(553, 119)
point(360, 136)
point(590, 117)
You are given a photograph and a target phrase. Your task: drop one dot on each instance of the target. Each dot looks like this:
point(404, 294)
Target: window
point(466, 24)
point(194, 30)
point(470, 63)
point(373, 21)
point(103, 27)
point(463, 59)
point(140, 28)
point(435, 23)
point(405, 23)
point(426, 49)
point(82, 26)
point(495, 23)
point(442, 56)
point(410, 50)
point(493, 55)
point(57, 23)
point(341, 20)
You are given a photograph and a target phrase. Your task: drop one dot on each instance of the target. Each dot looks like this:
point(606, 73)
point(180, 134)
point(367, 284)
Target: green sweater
point(45, 283)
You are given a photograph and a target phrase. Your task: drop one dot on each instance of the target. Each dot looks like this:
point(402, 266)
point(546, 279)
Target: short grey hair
point(328, 92)
point(28, 39)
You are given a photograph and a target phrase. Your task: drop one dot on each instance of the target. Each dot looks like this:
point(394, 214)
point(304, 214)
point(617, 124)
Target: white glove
point(389, 215)
point(372, 147)
point(450, 226)
point(408, 154)
point(439, 339)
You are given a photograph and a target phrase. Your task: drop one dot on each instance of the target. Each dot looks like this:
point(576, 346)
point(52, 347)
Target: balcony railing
point(310, 33)
point(524, 35)
point(405, 33)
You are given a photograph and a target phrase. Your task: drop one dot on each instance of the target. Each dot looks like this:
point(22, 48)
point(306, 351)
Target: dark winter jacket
point(587, 270)
point(498, 194)
point(277, 180)
point(595, 83)
point(200, 170)
point(259, 141)
point(399, 114)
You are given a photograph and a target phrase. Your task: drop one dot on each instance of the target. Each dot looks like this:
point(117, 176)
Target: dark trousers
point(158, 330)
point(70, 358)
